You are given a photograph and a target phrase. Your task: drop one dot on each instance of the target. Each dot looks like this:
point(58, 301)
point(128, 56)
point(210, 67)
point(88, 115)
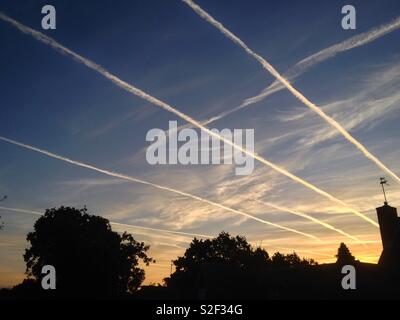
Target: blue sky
point(50, 101)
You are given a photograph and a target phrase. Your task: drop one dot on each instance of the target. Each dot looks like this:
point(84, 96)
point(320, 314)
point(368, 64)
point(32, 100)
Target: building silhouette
point(389, 224)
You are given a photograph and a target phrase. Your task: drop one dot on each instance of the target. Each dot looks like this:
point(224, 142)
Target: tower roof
point(386, 206)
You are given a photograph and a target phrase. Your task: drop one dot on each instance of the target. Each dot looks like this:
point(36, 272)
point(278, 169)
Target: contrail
point(150, 229)
point(136, 180)
point(130, 88)
point(305, 251)
point(162, 230)
point(255, 243)
point(310, 61)
point(118, 224)
point(303, 65)
point(267, 66)
point(21, 210)
point(353, 42)
point(306, 216)
point(271, 248)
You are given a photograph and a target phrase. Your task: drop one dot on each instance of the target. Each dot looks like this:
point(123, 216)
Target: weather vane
point(384, 181)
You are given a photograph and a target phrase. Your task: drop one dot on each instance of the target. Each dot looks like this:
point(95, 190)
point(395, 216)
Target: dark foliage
point(90, 259)
point(344, 255)
point(93, 261)
point(229, 267)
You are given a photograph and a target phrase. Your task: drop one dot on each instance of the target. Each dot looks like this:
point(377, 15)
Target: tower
point(389, 225)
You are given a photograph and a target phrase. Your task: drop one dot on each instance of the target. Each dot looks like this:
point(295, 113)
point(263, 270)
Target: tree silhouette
point(223, 249)
point(221, 267)
point(90, 259)
point(229, 267)
point(344, 255)
point(291, 260)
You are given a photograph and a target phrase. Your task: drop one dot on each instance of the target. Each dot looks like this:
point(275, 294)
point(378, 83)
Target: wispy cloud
point(311, 61)
point(308, 217)
point(367, 107)
point(154, 185)
point(268, 67)
point(117, 224)
point(137, 92)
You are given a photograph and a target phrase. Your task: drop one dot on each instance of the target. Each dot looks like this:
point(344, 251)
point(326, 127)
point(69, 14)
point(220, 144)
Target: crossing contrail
point(135, 91)
point(136, 180)
point(118, 224)
point(303, 65)
point(255, 243)
point(306, 216)
point(267, 66)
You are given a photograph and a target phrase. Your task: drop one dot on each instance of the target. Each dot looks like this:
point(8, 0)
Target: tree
point(290, 260)
point(222, 249)
point(90, 259)
point(344, 255)
point(223, 267)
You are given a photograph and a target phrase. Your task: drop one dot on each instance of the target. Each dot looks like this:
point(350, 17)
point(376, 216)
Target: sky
point(50, 101)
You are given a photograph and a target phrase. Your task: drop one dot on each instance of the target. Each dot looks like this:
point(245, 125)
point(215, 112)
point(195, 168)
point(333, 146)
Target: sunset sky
point(51, 102)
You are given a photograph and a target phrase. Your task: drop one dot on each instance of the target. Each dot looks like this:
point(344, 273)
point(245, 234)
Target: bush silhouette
point(90, 259)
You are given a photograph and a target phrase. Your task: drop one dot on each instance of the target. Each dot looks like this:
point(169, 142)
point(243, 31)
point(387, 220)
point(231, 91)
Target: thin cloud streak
point(171, 232)
point(162, 230)
point(306, 216)
point(118, 224)
point(130, 88)
point(267, 66)
point(303, 65)
point(136, 180)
